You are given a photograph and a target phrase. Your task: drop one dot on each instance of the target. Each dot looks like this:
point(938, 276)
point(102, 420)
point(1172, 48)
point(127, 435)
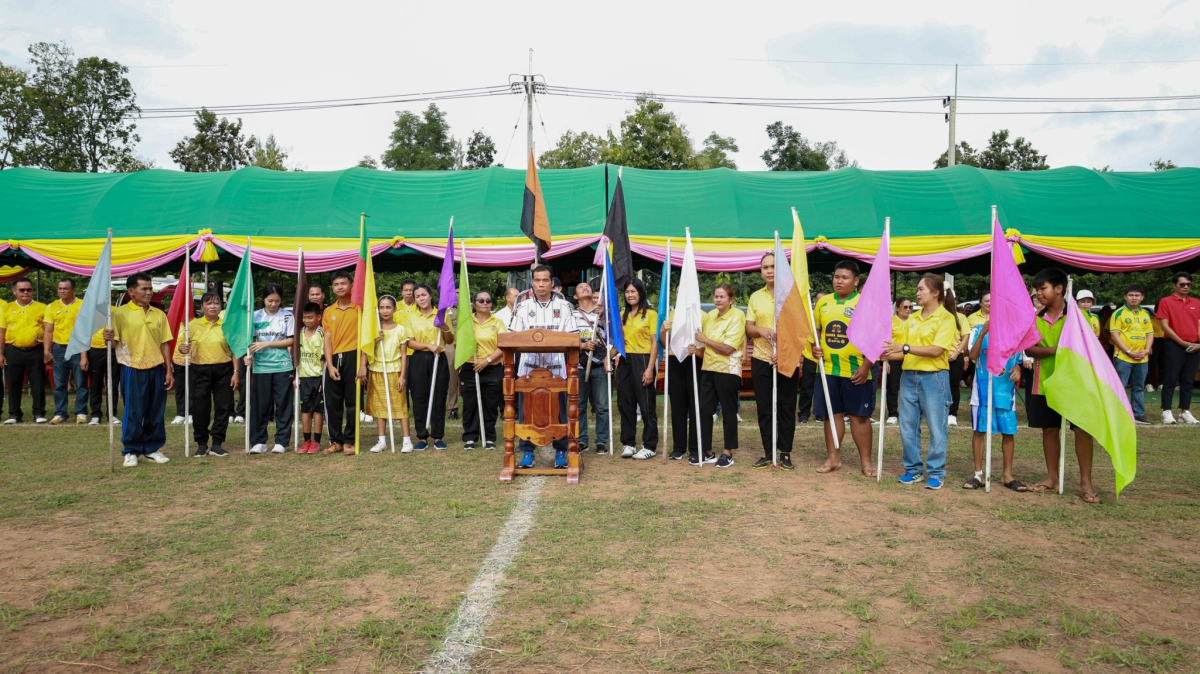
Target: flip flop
point(1017, 485)
point(973, 483)
point(1039, 488)
point(1089, 497)
point(824, 470)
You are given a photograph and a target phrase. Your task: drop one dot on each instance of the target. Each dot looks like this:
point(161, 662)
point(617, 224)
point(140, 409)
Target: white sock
point(979, 475)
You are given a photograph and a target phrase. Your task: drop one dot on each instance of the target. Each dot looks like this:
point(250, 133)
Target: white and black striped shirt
point(557, 314)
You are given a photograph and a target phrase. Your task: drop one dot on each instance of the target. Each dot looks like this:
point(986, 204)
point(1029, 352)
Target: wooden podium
point(540, 396)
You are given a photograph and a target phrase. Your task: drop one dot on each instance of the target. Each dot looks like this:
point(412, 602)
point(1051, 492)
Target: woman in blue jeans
point(925, 345)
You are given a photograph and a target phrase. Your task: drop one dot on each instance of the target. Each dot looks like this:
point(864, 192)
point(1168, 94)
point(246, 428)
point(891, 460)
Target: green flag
point(464, 338)
point(237, 324)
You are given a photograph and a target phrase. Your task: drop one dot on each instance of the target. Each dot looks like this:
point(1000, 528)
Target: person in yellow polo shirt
point(60, 320)
point(141, 338)
point(485, 370)
point(929, 337)
point(95, 364)
point(1133, 336)
point(21, 331)
point(636, 374)
point(760, 326)
point(904, 309)
point(339, 322)
point(214, 375)
point(721, 341)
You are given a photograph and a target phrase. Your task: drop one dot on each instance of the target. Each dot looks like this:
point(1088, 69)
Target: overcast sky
point(219, 52)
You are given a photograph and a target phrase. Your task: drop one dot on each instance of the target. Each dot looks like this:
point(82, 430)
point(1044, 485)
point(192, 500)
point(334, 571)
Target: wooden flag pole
point(667, 365)
point(112, 444)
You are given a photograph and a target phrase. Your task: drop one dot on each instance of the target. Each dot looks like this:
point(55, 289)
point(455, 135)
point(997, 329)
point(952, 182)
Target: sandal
point(1039, 488)
point(1017, 485)
point(1089, 497)
point(825, 470)
point(973, 483)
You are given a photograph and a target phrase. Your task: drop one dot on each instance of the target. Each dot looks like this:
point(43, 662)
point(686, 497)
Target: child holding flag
point(391, 357)
point(312, 348)
point(1004, 408)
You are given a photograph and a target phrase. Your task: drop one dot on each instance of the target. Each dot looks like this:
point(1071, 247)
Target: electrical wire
point(973, 65)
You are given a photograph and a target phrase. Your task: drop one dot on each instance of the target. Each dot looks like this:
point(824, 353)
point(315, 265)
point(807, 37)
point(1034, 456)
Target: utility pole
point(529, 104)
point(951, 102)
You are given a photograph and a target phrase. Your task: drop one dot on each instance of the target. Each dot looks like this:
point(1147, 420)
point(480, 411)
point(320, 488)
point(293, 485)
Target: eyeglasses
point(22, 290)
point(1184, 285)
point(484, 301)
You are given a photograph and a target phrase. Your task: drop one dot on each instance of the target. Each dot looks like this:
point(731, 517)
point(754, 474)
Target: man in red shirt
point(1180, 317)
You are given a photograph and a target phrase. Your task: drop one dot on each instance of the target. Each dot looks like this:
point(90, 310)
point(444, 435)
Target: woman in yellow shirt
point(214, 376)
point(636, 374)
point(721, 342)
point(485, 368)
point(427, 340)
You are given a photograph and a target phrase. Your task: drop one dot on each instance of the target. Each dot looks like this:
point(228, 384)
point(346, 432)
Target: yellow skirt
point(377, 399)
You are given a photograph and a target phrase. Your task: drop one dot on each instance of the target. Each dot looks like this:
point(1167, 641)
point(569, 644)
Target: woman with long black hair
point(487, 363)
point(636, 375)
point(271, 380)
point(427, 341)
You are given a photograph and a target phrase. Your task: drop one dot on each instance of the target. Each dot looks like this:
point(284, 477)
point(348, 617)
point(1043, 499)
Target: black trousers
point(97, 371)
point(893, 389)
point(340, 417)
point(491, 382)
point(761, 373)
point(1179, 370)
point(956, 373)
point(239, 405)
point(420, 376)
point(682, 387)
point(631, 396)
point(719, 387)
point(272, 397)
point(22, 362)
point(179, 389)
point(808, 380)
point(211, 395)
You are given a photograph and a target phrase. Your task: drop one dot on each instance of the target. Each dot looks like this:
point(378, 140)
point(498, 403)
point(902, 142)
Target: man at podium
point(544, 311)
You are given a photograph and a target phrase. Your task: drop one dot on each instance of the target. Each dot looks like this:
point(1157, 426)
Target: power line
point(973, 65)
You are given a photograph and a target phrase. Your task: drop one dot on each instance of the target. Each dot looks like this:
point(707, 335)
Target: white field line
point(477, 609)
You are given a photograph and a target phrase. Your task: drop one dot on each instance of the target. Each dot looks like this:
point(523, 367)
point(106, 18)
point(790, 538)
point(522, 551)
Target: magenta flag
point(447, 292)
point(1013, 322)
point(871, 326)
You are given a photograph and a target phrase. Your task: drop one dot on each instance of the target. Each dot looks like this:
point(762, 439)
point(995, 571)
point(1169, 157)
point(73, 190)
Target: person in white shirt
point(545, 311)
point(510, 299)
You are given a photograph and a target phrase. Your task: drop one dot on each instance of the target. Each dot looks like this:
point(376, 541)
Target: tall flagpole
point(1062, 431)
point(358, 353)
point(774, 379)
point(250, 327)
point(471, 317)
point(387, 387)
point(987, 464)
point(667, 363)
point(887, 232)
point(608, 362)
point(433, 384)
point(298, 328)
point(112, 452)
point(187, 357)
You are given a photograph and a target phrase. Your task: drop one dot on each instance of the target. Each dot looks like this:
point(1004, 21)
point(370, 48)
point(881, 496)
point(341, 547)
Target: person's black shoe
point(218, 450)
point(725, 461)
point(1142, 420)
point(453, 414)
point(583, 447)
point(785, 462)
point(489, 445)
point(678, 455)
point(708, 458)
point(202, 450)
point(601, 448)
point(762, 463)
point(469, 445)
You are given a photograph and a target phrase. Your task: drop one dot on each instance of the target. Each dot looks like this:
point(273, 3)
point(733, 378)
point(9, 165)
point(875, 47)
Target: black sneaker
point(761, 463)
point(678, 455)
point(708, 458)
point(583, 447)
point(469, 445)
point(202, 450)
point(489, 445)
point(218, 450)
point(785, 462)
point(1142, 420)
point(601, 448)
point(453, 414)
point(725, 461)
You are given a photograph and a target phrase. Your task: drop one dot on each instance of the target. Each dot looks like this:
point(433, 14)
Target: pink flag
point(1013, 322)
point(871, 326)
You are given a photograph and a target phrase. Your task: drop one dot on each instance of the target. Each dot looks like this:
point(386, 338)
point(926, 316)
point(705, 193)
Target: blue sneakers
point(421, 445)
point(526, 460)
point(933, 483)
point(439, 445)
point(560, 458)
point(912, 478)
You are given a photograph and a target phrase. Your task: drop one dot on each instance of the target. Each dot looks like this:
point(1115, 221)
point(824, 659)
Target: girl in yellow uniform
point(636, 374)
point(721, 342)
point(486, 365)
point(427, 340)
point(390, 357)
point(214, 376)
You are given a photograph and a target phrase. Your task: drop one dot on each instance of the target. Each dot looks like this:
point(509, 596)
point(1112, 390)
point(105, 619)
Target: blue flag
point(664, 307)
point(612, 311)
point(93, 315)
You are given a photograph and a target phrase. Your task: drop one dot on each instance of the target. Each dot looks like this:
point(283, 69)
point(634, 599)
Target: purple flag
point(871, 325)
point(1012, 322)
point(447, 293)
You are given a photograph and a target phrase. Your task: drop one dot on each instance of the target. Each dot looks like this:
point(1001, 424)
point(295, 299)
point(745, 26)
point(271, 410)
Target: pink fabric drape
point(1111, 263)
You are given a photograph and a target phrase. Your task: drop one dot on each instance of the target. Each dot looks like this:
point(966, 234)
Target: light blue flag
point(97, 298)
point(612, 312)
point(664, 289)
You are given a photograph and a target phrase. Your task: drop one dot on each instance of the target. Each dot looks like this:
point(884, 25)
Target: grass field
point(356, 564)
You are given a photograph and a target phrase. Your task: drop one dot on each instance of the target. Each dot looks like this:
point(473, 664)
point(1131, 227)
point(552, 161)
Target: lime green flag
point(464, 338)
point(238, 322)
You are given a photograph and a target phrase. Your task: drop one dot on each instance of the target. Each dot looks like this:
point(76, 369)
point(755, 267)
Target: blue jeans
point(143, 429)
point(925, 394)
point(594, 391)
point(64, 368)
point(1133, 377)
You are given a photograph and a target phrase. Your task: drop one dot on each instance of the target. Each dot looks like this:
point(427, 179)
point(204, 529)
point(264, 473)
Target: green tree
point(716, 152)
point(651, 138)
point(574, 150)
point(132, 163)
point(422, 142)
point(1160, 165)
point(269, 155)
point(999, 155)
point(217, 146)
point(16, 116)
point(481, 151)
point(83, 111)
point(791, 151)
point(367, 162)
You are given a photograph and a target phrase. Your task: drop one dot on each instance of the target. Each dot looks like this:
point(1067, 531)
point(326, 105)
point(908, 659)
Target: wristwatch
point(905, 349)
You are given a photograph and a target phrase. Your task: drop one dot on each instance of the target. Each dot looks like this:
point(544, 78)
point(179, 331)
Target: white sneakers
point(9, 421)
point(258, 449)
point(628, 451)
point(40, 420)
point(158, 457)
point(279, 449)
point(952, 421)
point(379, 446)
point(238, 420)
point(56, 420)
point(363, 416)
point(643, 454)
point(177, 421)
point(892, 421)
point(1168, 418)
point(94, 422)
point(407, 447)
point(1186, 417)
point(131, 460)
point(81, 418)
point(1149, 388)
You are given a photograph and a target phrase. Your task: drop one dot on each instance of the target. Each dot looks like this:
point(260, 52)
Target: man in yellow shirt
point(141, 339)
point(21, 332)
point(1133, 336)
point(59, 321)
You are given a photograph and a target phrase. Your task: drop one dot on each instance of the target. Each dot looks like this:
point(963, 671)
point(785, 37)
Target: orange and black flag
point(534, 222)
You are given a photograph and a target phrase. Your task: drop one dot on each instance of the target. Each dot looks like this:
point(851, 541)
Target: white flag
point(688, 313)
point(93, 315)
